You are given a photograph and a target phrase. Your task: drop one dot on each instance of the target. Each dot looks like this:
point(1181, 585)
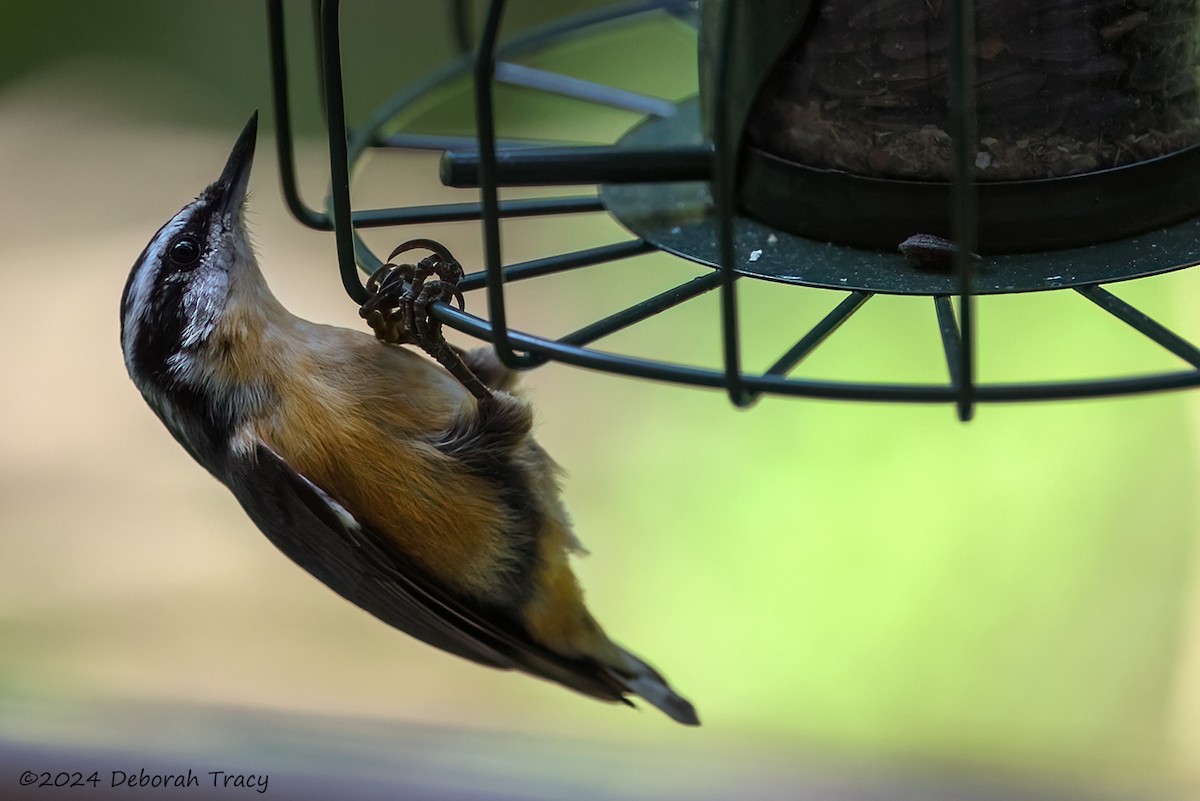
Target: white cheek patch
point(203, 301)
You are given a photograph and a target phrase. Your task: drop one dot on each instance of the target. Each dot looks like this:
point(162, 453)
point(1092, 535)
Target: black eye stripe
point(161, 327)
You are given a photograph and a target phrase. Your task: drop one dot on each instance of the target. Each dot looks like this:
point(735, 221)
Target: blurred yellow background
point(863, 601)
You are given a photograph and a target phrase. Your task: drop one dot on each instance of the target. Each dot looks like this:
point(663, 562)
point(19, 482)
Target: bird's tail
point(644, 681)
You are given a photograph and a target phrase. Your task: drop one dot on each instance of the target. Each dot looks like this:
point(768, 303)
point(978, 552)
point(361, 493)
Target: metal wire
point(723, 178)
point(952, 344)
point(485, 131)
point(553, 166)
point(280, 86)
point(579, 89)
point(828, 390)
point(560, 263)
point(1142, 322)
point(819, 333)
point(964, 204)
point(339, 159)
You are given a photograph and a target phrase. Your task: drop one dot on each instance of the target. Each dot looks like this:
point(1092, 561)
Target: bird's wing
point(325, 539)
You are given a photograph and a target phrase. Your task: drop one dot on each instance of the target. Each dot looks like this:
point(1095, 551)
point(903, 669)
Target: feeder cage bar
point(819, 333)
point(339, 158)
point(951, 339)
point(284, 140)
point(723, 187)
point(643, 310)
point(1143, 323)
point(964, 207)
point(459, 212)
point(579, 89)
point(443, 142)
point(485, 68)
point(551, 166)
point(556, 264)
point(460, 24)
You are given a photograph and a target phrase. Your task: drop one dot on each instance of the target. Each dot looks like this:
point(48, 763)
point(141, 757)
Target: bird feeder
point(1022, 145)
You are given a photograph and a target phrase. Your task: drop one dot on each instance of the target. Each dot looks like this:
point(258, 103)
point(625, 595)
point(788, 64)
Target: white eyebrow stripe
point(143, 282)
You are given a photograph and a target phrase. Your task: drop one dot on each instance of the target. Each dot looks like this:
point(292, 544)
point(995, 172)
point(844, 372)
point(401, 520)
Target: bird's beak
point(231, 186)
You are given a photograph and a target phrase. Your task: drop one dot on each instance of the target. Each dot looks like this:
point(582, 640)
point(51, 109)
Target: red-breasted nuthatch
point(367, 464)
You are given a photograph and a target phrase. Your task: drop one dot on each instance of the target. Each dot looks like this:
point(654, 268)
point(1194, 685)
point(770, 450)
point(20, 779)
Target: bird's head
point(192, 297)
point(179, 288)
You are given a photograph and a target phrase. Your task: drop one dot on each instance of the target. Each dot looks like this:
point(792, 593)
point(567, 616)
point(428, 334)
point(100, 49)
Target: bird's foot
point(398, 309)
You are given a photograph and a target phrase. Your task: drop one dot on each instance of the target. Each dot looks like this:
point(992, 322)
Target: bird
point(368, 464)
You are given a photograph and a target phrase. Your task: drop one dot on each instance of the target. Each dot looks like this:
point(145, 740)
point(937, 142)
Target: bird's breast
point(356, 418)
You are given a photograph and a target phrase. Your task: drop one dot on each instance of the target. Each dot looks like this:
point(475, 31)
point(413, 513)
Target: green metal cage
point(674, 181)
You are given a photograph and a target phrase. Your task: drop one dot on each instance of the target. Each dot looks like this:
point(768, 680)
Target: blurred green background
point(863, 601)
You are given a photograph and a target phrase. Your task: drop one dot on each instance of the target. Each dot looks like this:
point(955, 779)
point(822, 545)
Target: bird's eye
point(184, 251)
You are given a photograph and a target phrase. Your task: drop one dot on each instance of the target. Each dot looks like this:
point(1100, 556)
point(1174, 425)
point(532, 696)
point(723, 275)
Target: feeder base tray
point(680, 218)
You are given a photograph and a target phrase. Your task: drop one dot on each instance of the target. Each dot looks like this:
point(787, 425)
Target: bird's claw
point(399, 302)
point(398, 309)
